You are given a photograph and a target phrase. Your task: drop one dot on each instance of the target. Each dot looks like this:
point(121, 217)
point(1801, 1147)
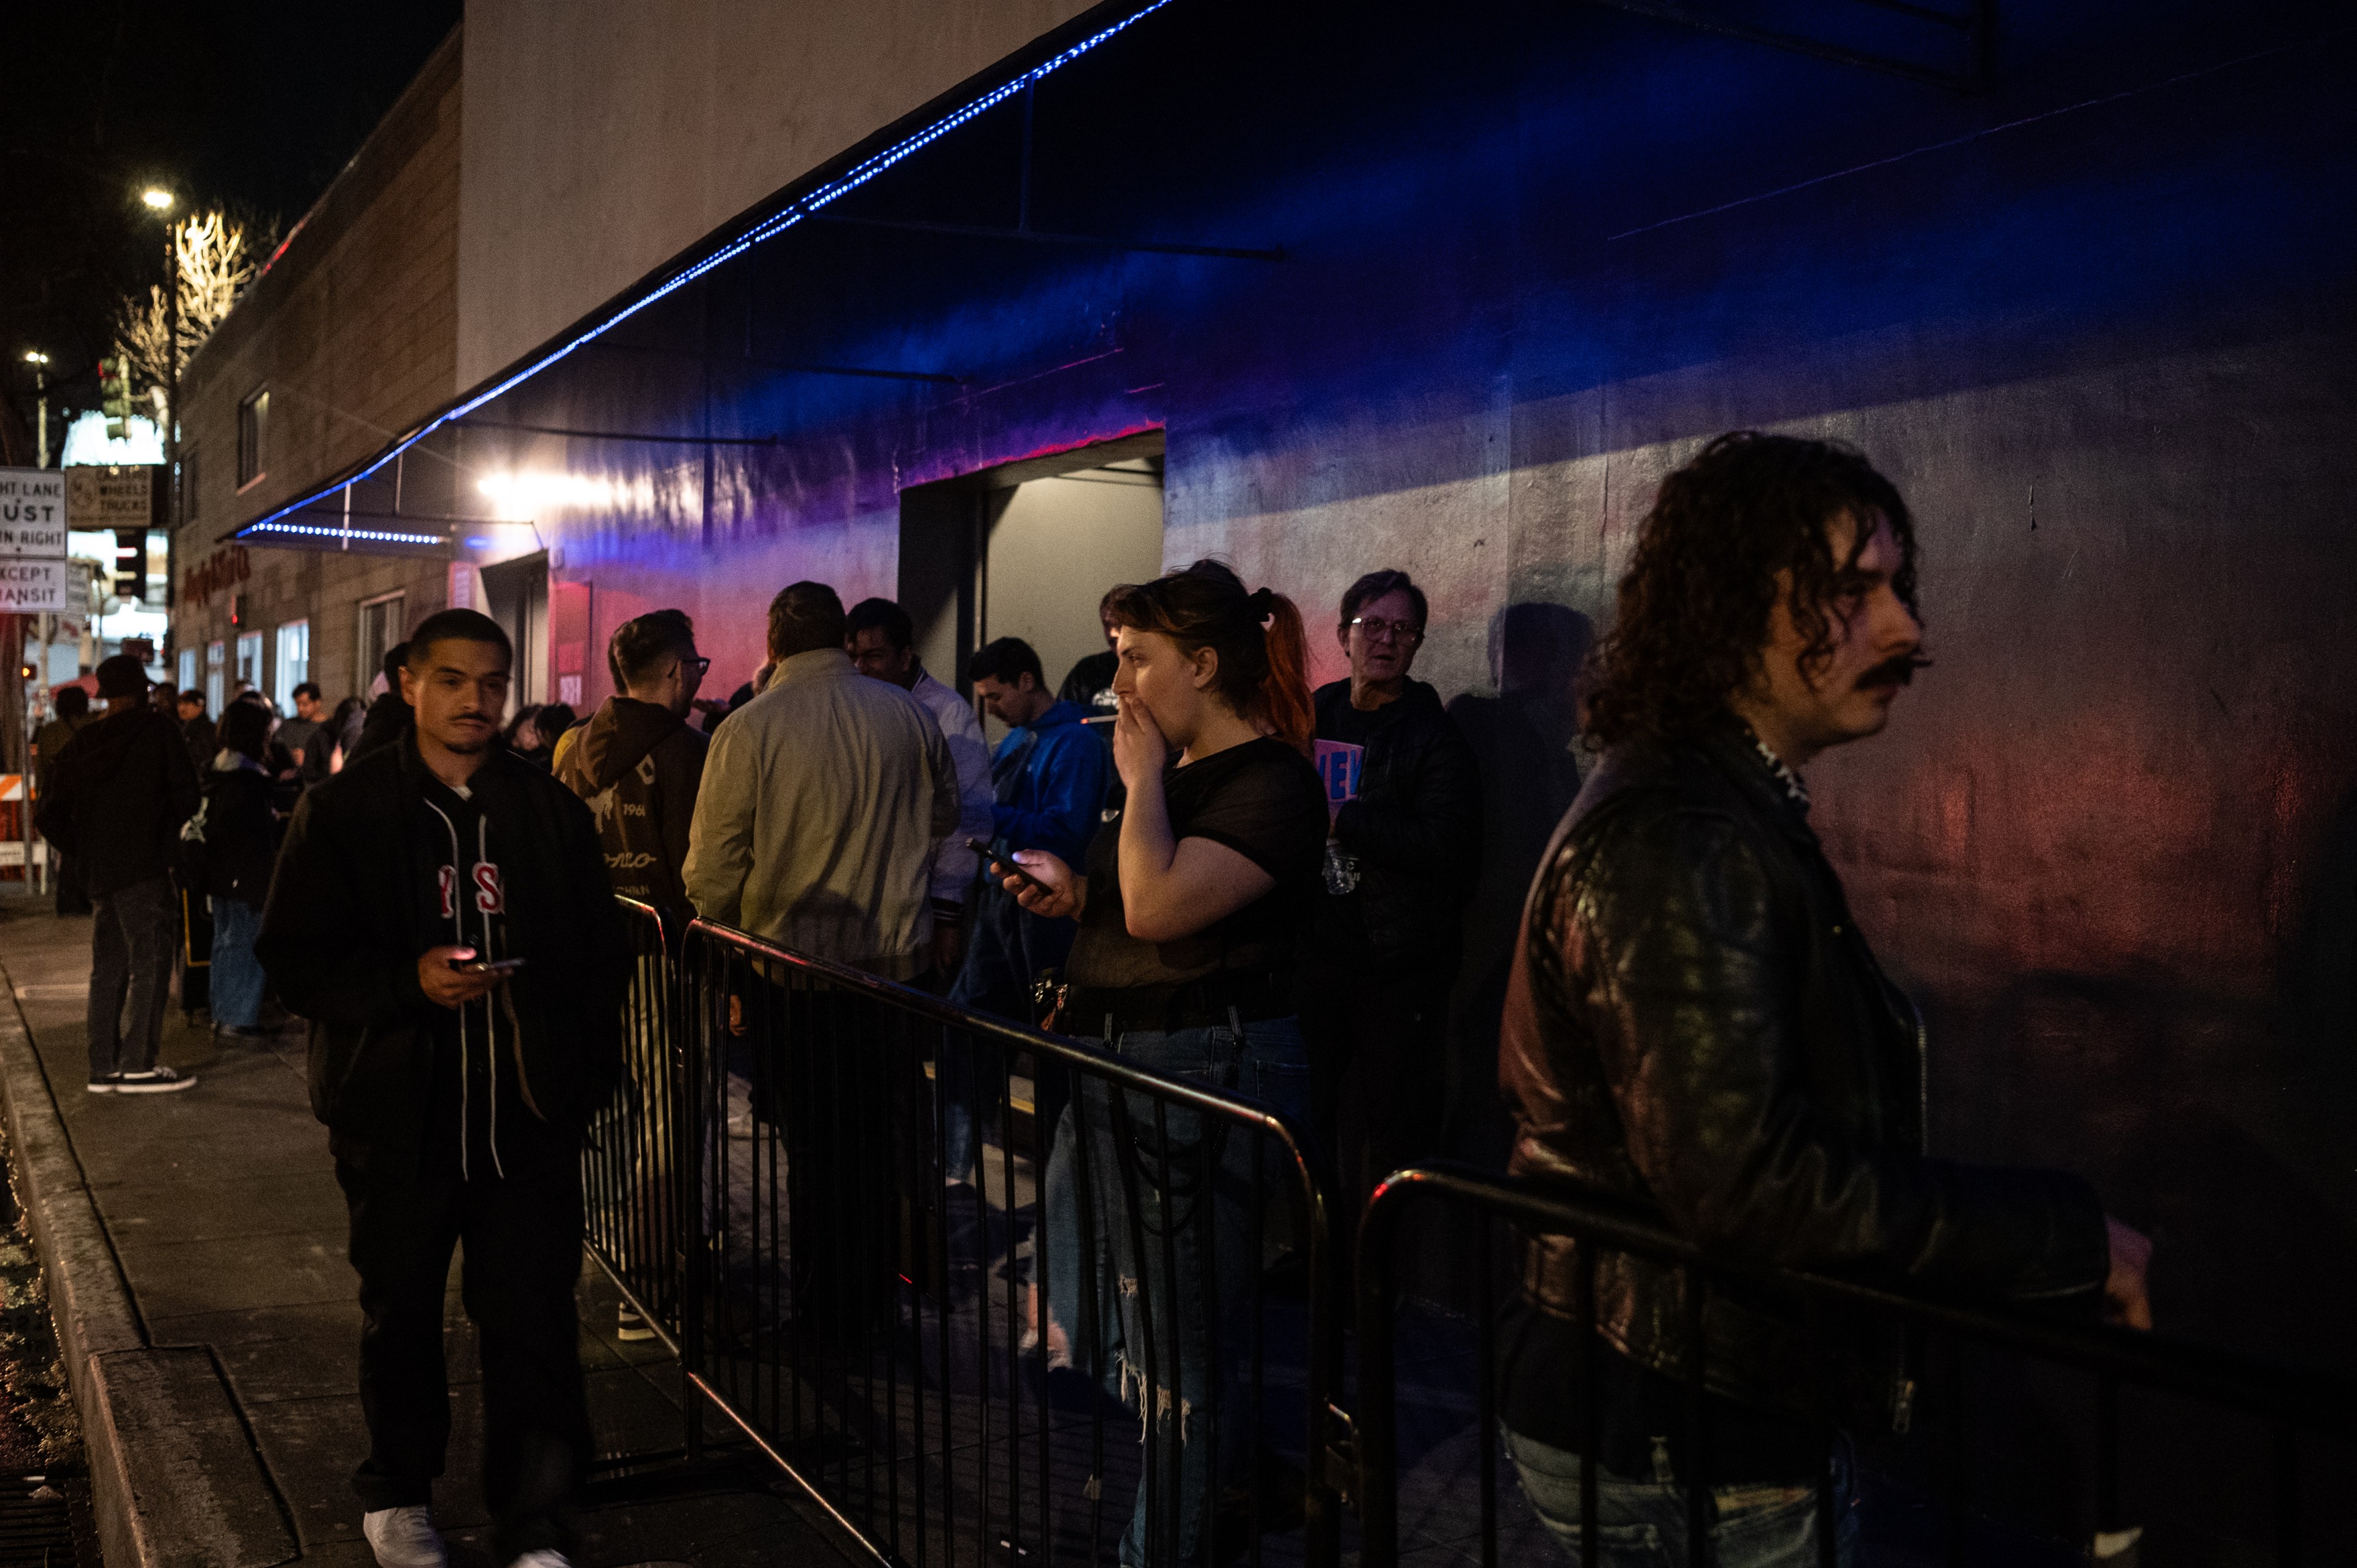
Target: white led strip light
point(340, 532)
point(768, 229)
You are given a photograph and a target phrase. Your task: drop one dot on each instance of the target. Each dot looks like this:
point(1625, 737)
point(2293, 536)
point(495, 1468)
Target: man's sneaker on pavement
point(404, 1537)
point(157, 1079)
point(632, 1326)
point(106, 1085)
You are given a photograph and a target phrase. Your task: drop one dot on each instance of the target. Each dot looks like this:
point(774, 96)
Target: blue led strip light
point(768, 228)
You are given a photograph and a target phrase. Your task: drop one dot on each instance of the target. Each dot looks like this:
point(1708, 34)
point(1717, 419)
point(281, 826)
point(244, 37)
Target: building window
point(293, 662)
point(249, 661)
point(253, 429)
point(187, 669)
point(216, 659)
point(381, 622)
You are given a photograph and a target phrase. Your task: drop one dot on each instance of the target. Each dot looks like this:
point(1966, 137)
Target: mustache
point(1896, 670)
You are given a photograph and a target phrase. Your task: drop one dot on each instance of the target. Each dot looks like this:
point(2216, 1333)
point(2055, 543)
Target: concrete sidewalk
point(195, 1248)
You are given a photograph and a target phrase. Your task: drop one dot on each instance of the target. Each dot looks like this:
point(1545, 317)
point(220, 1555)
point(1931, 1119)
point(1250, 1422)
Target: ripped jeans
point(1167, 1278)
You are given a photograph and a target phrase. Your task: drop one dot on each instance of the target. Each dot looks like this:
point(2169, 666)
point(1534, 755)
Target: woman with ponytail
point(1191, 906)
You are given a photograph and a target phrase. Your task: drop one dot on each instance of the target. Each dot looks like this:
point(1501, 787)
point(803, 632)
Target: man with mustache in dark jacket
point(1697, 1024)
point(441, 915)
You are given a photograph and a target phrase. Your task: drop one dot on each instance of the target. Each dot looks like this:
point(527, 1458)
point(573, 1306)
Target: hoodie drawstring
point(458, 936)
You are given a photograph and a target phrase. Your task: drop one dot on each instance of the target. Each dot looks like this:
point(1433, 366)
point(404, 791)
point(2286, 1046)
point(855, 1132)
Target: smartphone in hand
point(504, 966)
point(1007, 867)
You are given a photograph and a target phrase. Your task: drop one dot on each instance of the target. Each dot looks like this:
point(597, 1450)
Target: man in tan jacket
point(822, 801)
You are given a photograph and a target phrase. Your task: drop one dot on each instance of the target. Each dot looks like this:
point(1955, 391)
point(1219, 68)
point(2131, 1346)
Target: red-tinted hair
point(1264, 659)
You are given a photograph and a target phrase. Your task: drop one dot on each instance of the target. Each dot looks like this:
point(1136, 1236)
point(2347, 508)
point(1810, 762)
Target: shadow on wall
point(1526, 738)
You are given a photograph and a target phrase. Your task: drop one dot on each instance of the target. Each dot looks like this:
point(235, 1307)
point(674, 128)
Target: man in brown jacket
point(637, 761)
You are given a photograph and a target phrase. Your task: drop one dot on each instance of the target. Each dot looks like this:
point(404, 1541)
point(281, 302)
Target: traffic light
point(114, 396)
point(130, 562)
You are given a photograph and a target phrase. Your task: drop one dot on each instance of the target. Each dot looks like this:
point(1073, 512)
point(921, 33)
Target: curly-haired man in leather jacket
point(1695, 1022)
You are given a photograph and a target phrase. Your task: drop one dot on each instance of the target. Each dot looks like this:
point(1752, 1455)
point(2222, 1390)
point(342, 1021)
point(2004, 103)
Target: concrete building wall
point(603, 136)
point(352, 333)
point(2095, 326)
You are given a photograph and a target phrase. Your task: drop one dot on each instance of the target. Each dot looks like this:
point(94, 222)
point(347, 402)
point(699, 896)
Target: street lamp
point(159, 201)
point(40, 361)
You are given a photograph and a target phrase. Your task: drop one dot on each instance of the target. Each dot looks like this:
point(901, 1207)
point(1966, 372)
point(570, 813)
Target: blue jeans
point(1006, 950)
point(237, 978)
point(1643, 1523)
point(1167, 1279)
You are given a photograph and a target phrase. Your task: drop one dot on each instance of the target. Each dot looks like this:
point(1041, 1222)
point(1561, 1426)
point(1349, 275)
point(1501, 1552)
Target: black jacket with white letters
point(382, 862)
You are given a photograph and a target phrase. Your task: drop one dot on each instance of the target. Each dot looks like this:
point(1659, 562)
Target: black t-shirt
point(1262, 799)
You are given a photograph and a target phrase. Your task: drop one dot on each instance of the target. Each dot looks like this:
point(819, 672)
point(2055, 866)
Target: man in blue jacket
point(1049, 776)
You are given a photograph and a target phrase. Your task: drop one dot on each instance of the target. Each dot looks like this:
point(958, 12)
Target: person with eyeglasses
point(638, 762)
point(1403, 798)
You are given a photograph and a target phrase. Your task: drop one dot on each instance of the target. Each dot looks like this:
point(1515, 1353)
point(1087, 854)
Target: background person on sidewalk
point(71, 704)
point(455, 1098)
point(638, 763)
point(1049, 779)
point(883, 645)
point(235, 854)
point(1696, 1023)
point(121, 790)
point(1405, 799)
point(388, 718)
point(196, 729)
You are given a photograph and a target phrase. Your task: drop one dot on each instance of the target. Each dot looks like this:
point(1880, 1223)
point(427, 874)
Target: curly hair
point(1694, 604)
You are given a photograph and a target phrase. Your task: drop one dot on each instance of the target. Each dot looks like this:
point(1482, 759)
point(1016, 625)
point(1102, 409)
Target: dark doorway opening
point(1027, 550)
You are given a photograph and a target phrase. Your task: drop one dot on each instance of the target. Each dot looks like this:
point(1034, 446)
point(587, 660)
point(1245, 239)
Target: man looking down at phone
point(441, 913)
point(1190, 911)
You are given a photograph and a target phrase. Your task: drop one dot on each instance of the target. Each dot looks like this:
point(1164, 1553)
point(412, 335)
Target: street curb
point(87, 1298)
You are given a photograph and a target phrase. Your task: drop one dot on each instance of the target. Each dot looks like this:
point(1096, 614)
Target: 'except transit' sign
point(29, 587)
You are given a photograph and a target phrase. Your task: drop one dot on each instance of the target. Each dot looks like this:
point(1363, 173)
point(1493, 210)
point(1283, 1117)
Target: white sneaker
point(157, 1079)
point(405, 1538)
point(632, 1328)
point(543, 1558)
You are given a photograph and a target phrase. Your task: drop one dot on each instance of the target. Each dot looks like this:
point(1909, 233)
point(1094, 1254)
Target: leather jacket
point(1414, 827)
point(1695, 1023)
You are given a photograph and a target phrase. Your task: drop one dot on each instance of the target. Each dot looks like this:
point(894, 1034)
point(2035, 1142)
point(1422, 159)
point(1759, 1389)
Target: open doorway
point(515, 593)
point(1027, 550)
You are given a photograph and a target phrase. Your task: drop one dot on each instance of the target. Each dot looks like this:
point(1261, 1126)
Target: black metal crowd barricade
point(635, 1212)
point(2297, 1409)
point(1119, 1304)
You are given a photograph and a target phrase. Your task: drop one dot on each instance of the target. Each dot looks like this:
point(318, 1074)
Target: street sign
point(108, 497)
point(28, 587)
point(33, 513)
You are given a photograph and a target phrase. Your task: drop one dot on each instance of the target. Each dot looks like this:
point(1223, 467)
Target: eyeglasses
point(700, 666)
point(1376, 626)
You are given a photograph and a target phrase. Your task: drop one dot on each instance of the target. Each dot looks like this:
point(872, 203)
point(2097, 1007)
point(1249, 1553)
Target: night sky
point(253, 107)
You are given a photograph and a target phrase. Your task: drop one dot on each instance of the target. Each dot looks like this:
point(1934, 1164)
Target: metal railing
point(1086, 1332)
point(637, 1215)
point(2296, 1408)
